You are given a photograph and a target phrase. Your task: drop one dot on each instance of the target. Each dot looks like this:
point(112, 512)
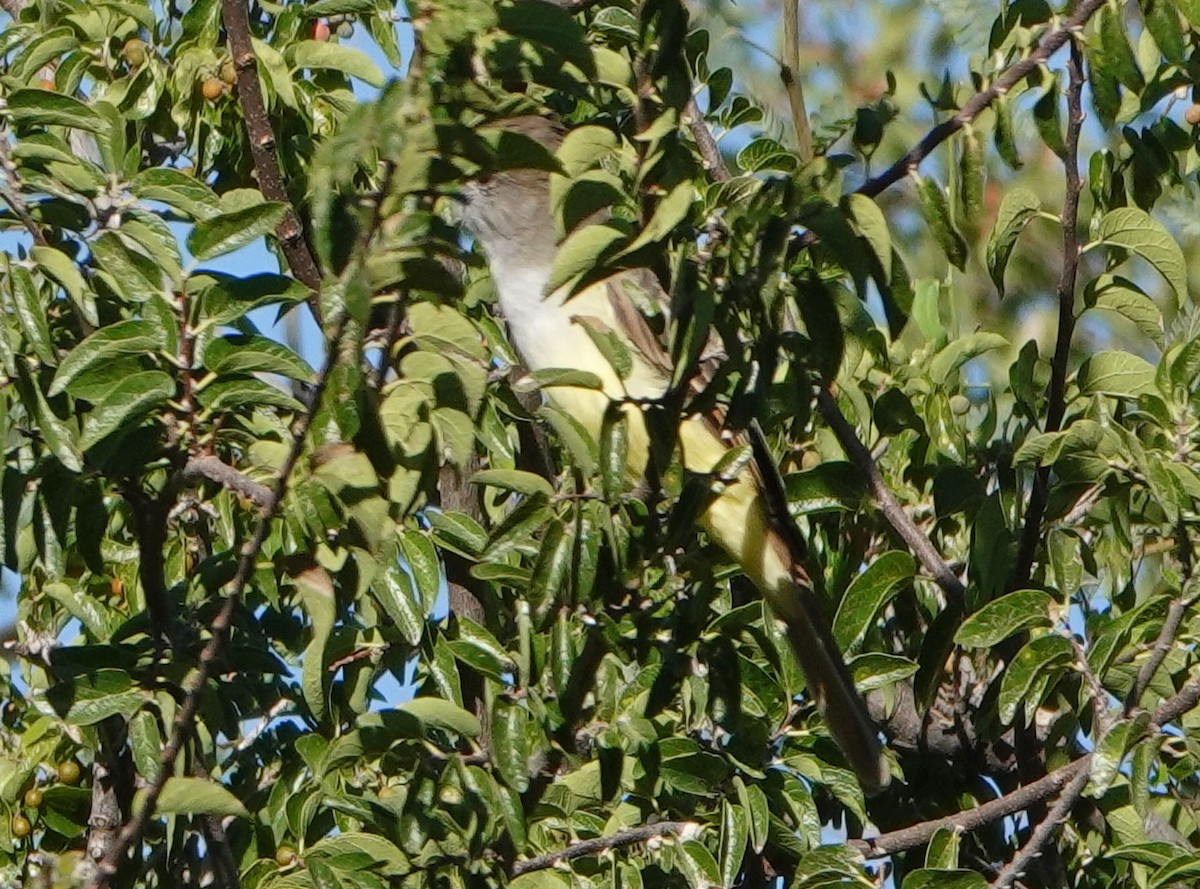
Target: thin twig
point(1051, 42)
point(789, 73)
point(601, 844)
point(705, 143)
point(931, 560)
point(262, 146)
point(1031, 528)
point(1096, 692)
point(1158, 653)
point(1042, 833)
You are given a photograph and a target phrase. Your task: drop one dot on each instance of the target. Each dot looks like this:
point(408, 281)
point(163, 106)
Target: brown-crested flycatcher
point(510, 215)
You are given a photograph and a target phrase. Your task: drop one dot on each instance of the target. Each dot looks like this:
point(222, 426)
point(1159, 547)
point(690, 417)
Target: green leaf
point(1117, 373)
point(245, 353)
point(552, 376)
point(458, 532)
point(1002, 617)
point(338, 57)
point(30, 311)
point(754, 802)
point(552, 569)
point(1162, 20)
point(441, 714)
point(125, 405)
point(224, 233)
point(830, 487)
point(92, 698)
point(699, 866)
point(1017, 208)
point(868, 594)
point(179, 191)
point(515, 480)
point(107, 343)
point(927, 878)
point(422, 559)
point(60, 437)
point(62, 269)
point(1110, 752)
point(145, 743)
point(950, 359)
point(1034, 664)
point(735, 833)
point(198, 796)
point(1136, 231)
point(480, 650)
point(877, 670)
point(971, 169)
point(386, 857)
point(580, 253)
point(1119, 295)
point(935, 207)
point(244, 395)
point(38, 107)
point(942, 851)
point(98, 619)
point(320, 604)
point(394, 593)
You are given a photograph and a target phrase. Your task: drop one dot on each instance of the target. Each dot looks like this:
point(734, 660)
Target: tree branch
point(714, 163)
point(931, 560)
point(1158, 653)
point(601, 844)
point(213, 469)
point(789, 73)
point(1031, 529)
point(1043, 833)
point(1186, 699)
point(262, 146)
point(1052, 41)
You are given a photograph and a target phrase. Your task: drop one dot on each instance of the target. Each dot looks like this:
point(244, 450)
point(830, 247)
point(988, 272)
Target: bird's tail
point(831, 685)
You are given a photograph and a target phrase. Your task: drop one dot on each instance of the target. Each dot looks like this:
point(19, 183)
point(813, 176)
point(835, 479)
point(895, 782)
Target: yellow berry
point(69, 772)
point(134, 52)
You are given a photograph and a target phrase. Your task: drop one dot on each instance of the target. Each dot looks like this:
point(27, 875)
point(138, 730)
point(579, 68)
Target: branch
point(993, 810)
point(1051, 42)
point(1031, 529)
point(601, 844)
point(211, 468)
point(714, 163)
point(1158, 653)
point(789, 73)
point(1043, 833)
point(1181, 702)
point(262, 146)
point(931, 560)
point(183, 726)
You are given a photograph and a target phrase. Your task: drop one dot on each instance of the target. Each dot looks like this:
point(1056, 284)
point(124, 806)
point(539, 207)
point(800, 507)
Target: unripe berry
point(134, 52)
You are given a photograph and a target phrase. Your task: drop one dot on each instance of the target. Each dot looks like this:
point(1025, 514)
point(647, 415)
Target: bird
point(509, 214)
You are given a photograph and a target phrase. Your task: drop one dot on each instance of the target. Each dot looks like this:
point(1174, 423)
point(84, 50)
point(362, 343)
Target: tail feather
point(832, 687)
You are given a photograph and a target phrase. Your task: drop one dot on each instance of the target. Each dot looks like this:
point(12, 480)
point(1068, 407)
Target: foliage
point(463, 643)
